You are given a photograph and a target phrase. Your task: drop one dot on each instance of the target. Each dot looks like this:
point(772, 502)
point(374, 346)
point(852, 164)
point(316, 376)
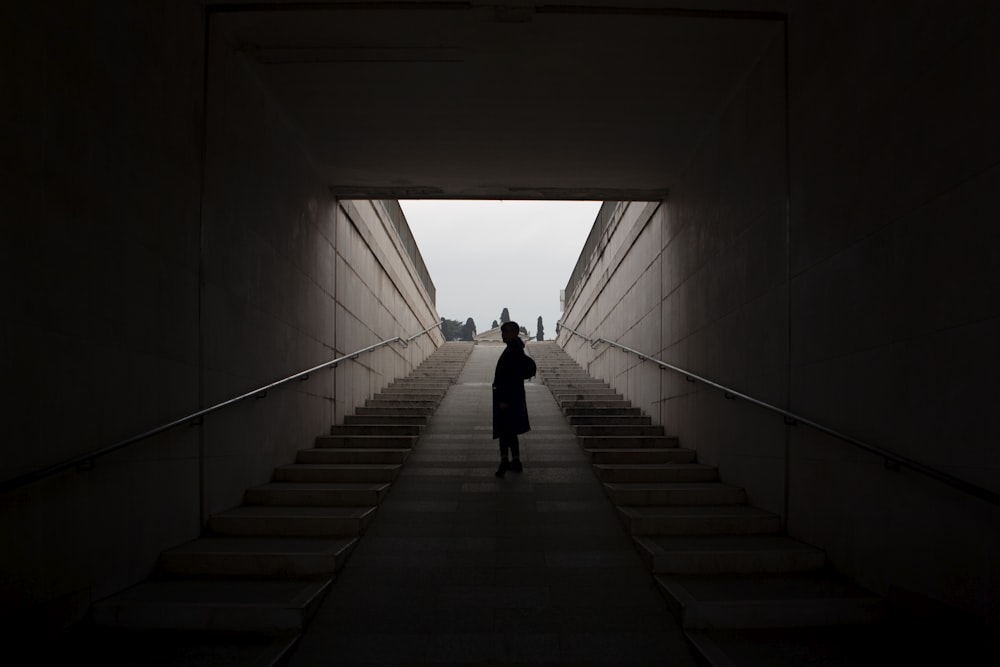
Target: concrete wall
point(151, 273)
point(895, 288)
point(292, 277)
point(379, 297)
point(872, 306)
point(99, 246)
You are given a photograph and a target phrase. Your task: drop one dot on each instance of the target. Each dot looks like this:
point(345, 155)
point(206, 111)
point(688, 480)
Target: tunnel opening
point(493, 260)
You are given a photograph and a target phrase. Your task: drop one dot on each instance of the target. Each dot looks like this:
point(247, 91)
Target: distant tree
point(495, 324)
point(504, 316)
point(540, 334)
point(452, 329)
point(524, 332)
point(469, 330)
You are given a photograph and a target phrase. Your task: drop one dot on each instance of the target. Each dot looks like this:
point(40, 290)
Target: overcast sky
point(484, 256)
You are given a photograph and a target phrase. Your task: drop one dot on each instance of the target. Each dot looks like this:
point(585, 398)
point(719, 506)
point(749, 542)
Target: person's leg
point(504, 452)
point(515, 453)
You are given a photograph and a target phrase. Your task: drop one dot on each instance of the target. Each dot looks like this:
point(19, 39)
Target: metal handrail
point(421, 333)
point(86, 460)
point(892, 460)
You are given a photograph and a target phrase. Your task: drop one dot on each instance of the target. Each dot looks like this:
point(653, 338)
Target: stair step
point(626, 441)
point(337, 472)
point(656, 472)
point(352, 455)
point(166, 646)
point(682, 493)
point(437, 381)
point(728, 554)
point(609, 420)
point(328, 494)
point(219, 605)
point(618, 430)
point(255, 556)
point(572, 389)
point(698, 520)
point(272, 521)
point(621, 455)
point(385, 420)
point(412, 393)
point(767, 601)
point(397, 411)
point(401, 403)
point(363, 441)
point(565, 395)
point(577, 404)
point(601, 412)
point(382, 430)
point(884, 643)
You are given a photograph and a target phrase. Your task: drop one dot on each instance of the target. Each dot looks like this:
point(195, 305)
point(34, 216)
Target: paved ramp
point(461, 567)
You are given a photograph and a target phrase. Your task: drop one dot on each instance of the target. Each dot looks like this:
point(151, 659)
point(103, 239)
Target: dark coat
point(508, 387)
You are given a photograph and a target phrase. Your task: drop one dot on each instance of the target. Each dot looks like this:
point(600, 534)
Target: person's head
point(509, 331)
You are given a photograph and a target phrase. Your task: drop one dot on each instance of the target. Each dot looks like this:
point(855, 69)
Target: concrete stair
point(622, 455)
point(321, 494)
point(720, 563)
point(292, 521)
point(685, 493)
point(634, 418)
point(655, 472)
point(387, 418)
point(230, 605)
point(583, 431)
point(698, 520)
point(263, 567)
point(338, 472)
point(354, 455)
point(753, 600)
point(728, 554)
point(258, 556)
point(368, 437)
point(626, 441)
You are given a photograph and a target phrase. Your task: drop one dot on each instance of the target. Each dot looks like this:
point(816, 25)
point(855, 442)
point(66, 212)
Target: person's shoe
point(515, 465)
point(502, 470)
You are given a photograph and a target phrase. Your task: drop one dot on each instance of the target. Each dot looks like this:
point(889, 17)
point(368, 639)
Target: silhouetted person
point(510, 410)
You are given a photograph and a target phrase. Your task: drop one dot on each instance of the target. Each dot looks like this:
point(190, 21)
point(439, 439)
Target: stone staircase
point(720, 563)
point(263, 567)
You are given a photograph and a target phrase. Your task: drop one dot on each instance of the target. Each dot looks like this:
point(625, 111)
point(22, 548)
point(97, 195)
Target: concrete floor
point(461, 567)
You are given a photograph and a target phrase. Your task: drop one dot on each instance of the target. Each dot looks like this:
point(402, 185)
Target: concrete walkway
point(461, 567)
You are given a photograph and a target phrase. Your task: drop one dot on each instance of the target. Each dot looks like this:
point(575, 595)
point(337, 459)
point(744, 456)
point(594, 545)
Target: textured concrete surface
point(461, 567)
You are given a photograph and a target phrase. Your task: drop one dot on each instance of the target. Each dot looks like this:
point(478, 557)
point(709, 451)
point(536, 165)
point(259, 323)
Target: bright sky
point(484, 256)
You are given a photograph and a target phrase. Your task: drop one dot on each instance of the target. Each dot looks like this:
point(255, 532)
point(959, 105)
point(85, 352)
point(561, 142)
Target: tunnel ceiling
point(468, 100)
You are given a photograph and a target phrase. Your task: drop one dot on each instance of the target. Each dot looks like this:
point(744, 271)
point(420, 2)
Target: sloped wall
point(895, 305)
point(170, 252)
point(699, 281)
point(292, 278)
point(379, 297)
point(99, 251)
point(858, 289)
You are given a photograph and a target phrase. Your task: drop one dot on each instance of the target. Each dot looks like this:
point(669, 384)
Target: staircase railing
point(86, 460)
point(891, 460)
